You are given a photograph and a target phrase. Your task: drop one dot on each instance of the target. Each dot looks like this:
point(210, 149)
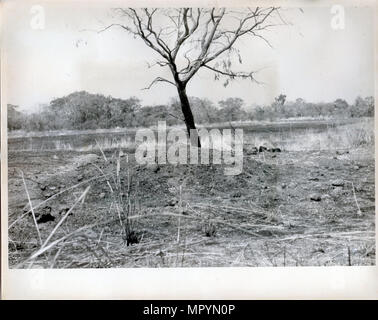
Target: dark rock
point(275, 150)
point(315, 197)
point(338, 183)
point(236, 194)
point(46, 217)
point(262, 149)
point(132, 238)
point(172, 202)
point(80, 178)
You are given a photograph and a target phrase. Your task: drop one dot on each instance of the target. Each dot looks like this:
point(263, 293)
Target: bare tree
point(188, 39)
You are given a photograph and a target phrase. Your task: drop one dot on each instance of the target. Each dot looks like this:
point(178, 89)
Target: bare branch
point(157, 37)
point(240, 31)
point(145, 37)
point(108, 27)
point(157, 63)
point(233, 75)
point(159, 79)
point(205, 43)
point(188, 32)
point(208, 33)
point(178, 118)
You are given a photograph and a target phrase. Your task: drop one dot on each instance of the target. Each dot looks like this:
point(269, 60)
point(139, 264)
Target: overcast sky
point(309, 60)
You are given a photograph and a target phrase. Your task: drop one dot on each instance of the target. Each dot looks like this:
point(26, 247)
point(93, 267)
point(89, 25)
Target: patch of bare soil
point(285, 209)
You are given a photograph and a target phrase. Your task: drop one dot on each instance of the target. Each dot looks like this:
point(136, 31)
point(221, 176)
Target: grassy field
point(87, 140)
point(93, 206)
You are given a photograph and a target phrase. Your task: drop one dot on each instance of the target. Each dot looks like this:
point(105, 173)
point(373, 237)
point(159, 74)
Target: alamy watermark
point(338, 17)
point(176, 147)
point(37, 20)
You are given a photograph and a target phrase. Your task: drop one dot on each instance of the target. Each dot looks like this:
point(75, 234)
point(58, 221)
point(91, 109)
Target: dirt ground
point(305, 208)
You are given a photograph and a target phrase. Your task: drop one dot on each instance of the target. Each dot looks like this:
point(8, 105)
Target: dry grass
point(125, 236)
point(335, 137)
point(104, 143)
point(99, 245)
point(57, 243)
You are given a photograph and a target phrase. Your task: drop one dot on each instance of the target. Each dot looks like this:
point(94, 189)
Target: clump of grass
point(108, 143)
point(60, 145)
point(126, 198)
point(360, 135)
point(210, 229)
point(347, 136)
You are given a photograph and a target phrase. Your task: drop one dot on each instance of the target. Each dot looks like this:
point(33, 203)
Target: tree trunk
point(188, 115)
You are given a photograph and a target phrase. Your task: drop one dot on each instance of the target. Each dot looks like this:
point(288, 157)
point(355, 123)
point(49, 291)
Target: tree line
point(83, 110)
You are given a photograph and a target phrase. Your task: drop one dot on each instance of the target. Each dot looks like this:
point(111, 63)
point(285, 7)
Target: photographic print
point(188, 137)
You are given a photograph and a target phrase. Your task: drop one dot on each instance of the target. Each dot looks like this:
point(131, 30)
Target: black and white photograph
point(187, 136)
